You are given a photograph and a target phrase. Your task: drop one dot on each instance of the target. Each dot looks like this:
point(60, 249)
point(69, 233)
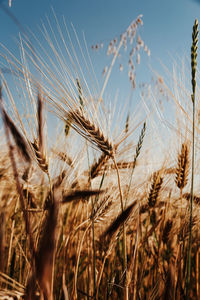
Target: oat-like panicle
point(183, 167)
point(91, 132)
point(155, 189)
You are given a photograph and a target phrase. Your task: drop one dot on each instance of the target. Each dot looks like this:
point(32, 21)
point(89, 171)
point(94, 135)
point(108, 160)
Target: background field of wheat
point(106, 205)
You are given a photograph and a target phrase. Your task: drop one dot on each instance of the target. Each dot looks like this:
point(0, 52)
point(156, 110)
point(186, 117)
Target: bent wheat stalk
point(93, 134)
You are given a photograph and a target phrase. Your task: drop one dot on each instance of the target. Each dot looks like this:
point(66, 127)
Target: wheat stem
point(124, 229)
point(193, 66)
point(137, 153)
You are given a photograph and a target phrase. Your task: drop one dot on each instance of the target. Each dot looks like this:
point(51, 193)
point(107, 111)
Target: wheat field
point(107, 205)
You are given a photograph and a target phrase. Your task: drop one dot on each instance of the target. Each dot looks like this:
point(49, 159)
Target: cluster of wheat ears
point(84, 218)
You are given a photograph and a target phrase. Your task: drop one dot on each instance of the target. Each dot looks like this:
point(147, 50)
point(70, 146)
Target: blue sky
point(166, 31)
point(167, 24)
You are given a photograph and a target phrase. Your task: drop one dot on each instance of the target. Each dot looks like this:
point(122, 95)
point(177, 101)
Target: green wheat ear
point(193, 67)
point(194, 56)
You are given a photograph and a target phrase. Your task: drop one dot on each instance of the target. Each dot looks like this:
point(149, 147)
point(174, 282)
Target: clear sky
point(166, 31)
point(167, 24)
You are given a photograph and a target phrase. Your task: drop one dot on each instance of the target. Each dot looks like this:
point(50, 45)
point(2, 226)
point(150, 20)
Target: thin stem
point(124, 229)
point(94, 254)
point(110, 69)
point(119, 184)
point(191, 203)
point(193, 66)
point(138, 148)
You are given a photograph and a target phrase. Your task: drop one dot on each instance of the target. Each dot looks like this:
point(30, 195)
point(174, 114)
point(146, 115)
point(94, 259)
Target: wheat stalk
point(193, 66)
point(137, 153)
point(45, 253)
point(40, 122)
point(2, 240)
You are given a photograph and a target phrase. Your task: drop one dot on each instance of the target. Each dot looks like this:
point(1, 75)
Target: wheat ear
point(91, 132)
point(97, 166)
point(42, 162)
point(115, 225)
point(155, 189)
point(193, 67)
point(196, 199)
point(137, 153)
point(182, 167)
point(18, 138)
